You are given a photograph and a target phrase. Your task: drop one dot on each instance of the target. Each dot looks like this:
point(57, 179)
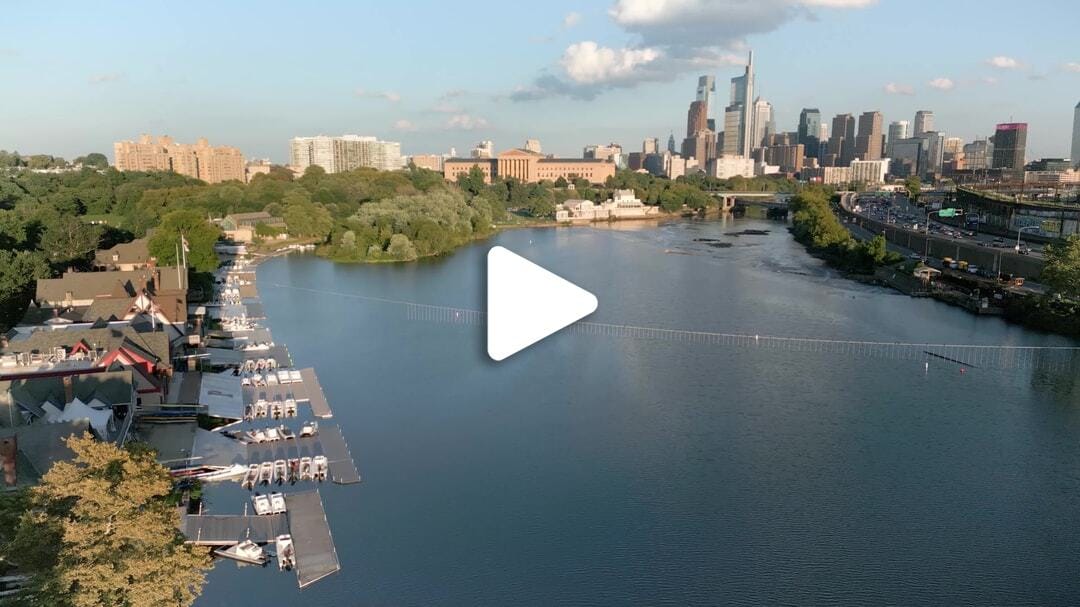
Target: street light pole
point(1020, 231)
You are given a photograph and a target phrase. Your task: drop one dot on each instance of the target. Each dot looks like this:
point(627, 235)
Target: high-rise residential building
point(1010, 143)
point(841, 147)
point(868, 141)
point(924, 122)
point(533, 145)
point(671, 143)
point(869, 171)
point(934, 150)
point(738, 133)
point(651, 145)
point(898, 130)
point(431, 162)
point(762, 123)
point(344, 153)
point(1076, 137)
point(484, 149)
point(199, 160)
point(697, 118)
point(810, 131)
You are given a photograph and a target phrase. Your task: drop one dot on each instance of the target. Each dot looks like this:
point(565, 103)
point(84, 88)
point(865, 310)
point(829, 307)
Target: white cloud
point(571, 19)
point(105, 78)
point(1072, 66)
point(942, 84)
point(390, 96)
point(893, 88)
point(1003, 63)
point(671, 38)
point(404, 125)
point(465, 122)
point(989, 80)
point(589, 63)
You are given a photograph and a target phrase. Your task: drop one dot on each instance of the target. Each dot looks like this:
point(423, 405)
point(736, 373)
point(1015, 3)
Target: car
point(1024, 250)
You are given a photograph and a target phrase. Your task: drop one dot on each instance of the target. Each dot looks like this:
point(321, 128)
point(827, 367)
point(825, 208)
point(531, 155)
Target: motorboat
point(320, 465)
point(305, 468)
point(261, 504)
point(294, 471)
point(251, 477)
point(272, 434)
point(246, 551)
point(228, 473)
point(277, 503)
point(280, 470)
point(286, 433)
point(290, 407)
point(285, 554)
point(309, 429)
point(266, 471)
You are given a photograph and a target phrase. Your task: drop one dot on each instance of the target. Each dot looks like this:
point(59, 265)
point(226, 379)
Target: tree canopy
point(99, 530)
point(199, 234)
point(1062, 270)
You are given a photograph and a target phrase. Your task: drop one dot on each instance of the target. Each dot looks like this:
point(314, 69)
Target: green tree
point(19, 271)
point(1062, 269)
point(93, 160)
point(100, 531)
point(68, 239)
point(913, 186)
point(196, 230)
point(401, 248)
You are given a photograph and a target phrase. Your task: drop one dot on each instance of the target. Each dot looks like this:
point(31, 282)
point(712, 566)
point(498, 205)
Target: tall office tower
point(199, 160)
point(868, 141)
point(841, 148)
point(935, 152)
point(924, 122)
point(706, 88)
point(344, 153)
point(701, 146)
point(738, 140)
point(533, 145)
point(651, 145)
point(1076, 137)
point(977, 154)
point(1010, 141)
point(763, 124)
point(671, 143)
point(697, 118)
point(898, 130)
point(810, 131)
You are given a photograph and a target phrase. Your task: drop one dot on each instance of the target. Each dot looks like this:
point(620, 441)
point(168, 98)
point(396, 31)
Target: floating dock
point(316, 556)
point(230, 529)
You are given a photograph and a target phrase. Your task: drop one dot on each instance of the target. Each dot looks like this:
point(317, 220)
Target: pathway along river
point(595, 470)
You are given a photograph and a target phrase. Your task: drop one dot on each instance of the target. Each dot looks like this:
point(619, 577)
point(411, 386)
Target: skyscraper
point(1010, 141)
point(533, 145)
point(737, 140)
point(651, 145)
point(763, 124)
point(1076, 137)
point(868, 142)
point(841, 149)
point(706, 88)
point(671, 143)
point(924, 121)
point(697, 118)
point(898, 130)
point(344, 153)
point(809, 129)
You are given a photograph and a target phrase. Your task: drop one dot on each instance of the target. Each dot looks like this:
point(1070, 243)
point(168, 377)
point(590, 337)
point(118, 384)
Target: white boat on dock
point(277, 503)
point(285, 554)
point(280, 471)
point(309, 429)
point(321, 466)
point(246, 551)
point(305, 469)
point(262, 505)
point(251, 477)
point(266, 473)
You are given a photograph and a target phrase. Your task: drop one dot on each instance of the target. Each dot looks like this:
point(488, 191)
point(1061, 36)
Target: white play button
point(526, 303)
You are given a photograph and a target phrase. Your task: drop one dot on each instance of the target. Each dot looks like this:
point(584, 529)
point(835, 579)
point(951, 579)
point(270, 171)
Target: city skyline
point(624, 69)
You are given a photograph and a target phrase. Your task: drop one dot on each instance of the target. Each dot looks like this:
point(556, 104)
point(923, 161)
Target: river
point(593, 470)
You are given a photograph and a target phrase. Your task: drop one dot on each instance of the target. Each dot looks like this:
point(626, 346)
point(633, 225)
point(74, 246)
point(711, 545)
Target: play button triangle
point(526, 303)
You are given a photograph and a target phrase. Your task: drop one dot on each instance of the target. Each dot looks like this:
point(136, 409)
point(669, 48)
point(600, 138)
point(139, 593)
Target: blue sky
point(435, 74)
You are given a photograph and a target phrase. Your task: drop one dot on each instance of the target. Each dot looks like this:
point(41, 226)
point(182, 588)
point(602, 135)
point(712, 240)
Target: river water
point(592, 470)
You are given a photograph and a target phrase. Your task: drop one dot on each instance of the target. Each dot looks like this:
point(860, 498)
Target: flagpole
point(178, 285)
point(183, 249)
